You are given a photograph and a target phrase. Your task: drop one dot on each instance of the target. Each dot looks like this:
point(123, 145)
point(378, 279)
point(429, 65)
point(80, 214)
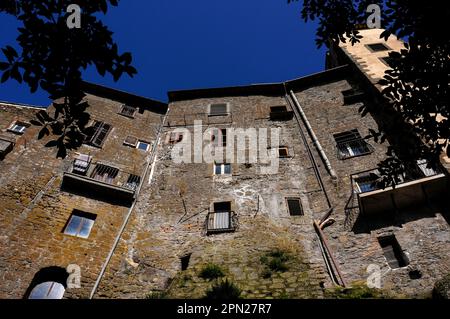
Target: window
point(185, 262)
point(222, 169)
point(366, 183)
point(5, 147)
point(127, 111)
point(219, 137)
point(133, 182)
point(131, 141)
point(427, 171)
point(220, 219)
point(218, 109)
point(294, 206)
point(18, 127)
point(377, 47)
point(104, 173)
point(352, 95)
point(387, 61)
point(80, 224)
point(394, 254)
point(350, 144)
point(280, 113)
point(143, 146)
point(81, 164)
point(97, 134)
point(283, 152)
point(47, 290)
point(278, 109)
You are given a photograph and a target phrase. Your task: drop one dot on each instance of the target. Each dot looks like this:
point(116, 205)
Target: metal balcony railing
point(96, 178)
point(220, 222)
point(418, 184)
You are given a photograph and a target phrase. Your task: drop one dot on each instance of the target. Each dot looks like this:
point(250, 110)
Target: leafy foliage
point(275, 261)
point(417, 85)
point(224, 290)
point(211, 271)
point(357, 291)
point(53, 56)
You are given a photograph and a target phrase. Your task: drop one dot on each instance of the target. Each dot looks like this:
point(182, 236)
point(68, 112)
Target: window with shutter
point(218, 109)
point(97, 134)
point(127, 111)
point(105, 173)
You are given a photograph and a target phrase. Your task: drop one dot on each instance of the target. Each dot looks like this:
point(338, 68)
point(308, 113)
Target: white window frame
point(143, 142)
point(222, 169)
point(23, 127)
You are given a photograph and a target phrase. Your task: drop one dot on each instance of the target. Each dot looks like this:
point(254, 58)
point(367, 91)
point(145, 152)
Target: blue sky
point(183, 44)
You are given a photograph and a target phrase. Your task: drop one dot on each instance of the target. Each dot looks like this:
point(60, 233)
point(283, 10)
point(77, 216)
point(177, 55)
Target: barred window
point(351, 144)
point(104, 173)
point(128, 111)
point(133, 182)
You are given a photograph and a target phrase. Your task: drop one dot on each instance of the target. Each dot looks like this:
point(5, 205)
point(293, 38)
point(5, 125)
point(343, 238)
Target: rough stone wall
point(162, 230)
point(422, 231)
point(35, 210)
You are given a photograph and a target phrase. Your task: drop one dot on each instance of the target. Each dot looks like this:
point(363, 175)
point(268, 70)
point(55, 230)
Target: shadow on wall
point(366, 224)
point(50, 274)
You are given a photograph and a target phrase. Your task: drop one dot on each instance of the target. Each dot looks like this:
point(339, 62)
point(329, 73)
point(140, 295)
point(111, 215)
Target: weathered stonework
point(167, 218)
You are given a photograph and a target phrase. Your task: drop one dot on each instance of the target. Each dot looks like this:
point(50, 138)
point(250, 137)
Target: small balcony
point(220, 222)
point(100, 181)
point(417, 186)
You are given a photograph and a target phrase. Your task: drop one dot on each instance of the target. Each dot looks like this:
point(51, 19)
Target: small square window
point(131, 141)
point(350, 144)
point(387, 61)
point(127, 111)
point(378, 47)
point(278, 109)
point(222, 169)
point(80, 224)
point(5, 147)
point(18, 127)
point(218, 109)
point(392, 251)
point(283, 152)
point(294, 206)
point(143, 146)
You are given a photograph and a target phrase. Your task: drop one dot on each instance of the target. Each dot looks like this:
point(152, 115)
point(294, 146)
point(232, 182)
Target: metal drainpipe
point(130, 211)
point(324, 247)
point(314, 137)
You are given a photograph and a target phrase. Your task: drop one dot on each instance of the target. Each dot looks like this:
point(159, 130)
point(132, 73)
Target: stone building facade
point(161, 212)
